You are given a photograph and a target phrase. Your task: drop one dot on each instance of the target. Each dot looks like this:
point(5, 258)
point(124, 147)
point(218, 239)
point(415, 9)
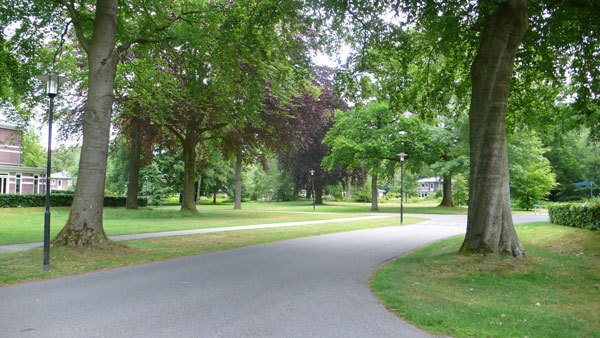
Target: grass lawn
point(25, 225)
point(27, 265)
point(552, 292)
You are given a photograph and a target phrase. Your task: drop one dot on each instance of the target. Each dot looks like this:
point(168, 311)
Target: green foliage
point(460, 190)
point(117, 172)
point(373, 134)
point(34, 155)
point(56, 200)
point(218, 176)
point(158, 181)
point(531, 176)
point(66, 158)
point(272, 184)
point(579, 215)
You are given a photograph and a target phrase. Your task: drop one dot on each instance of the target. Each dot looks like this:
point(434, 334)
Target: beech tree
point(104, 30)
point(311, 119)
point(488, 34)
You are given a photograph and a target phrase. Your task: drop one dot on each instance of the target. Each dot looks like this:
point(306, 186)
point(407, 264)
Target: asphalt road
point(310, 287)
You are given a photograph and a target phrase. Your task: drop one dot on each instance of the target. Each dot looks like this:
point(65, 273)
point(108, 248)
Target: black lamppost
point(312, 181)
point(402, 155)
point(52, 81)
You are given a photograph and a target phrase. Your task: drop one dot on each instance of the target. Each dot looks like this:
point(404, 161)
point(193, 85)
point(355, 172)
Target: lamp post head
point(52, 81)
point(402, 156)
point(312, 172)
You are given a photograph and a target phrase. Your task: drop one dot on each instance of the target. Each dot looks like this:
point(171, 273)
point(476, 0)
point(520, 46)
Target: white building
point(60, 181)
point(429, 185)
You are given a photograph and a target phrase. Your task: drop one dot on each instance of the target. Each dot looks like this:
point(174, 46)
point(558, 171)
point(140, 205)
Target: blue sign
point(583, 184)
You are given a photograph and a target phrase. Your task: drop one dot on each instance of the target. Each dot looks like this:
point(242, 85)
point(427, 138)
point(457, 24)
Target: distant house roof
point(63, 174)
point(436, 179)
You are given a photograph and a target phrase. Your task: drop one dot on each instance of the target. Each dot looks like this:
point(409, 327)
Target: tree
point(449, 143)
point(311, 119)
point(492, 31)
point(34, 154)
point(213, 78)
point(373, 135)
point(66, 158)
point(531, 176)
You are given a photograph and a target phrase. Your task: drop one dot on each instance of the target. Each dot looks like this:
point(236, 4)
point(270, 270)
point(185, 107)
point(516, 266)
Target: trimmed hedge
point(579, 215)
point(56, 200)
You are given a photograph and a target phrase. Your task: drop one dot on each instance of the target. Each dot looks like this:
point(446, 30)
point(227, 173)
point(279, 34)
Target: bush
point(580, 215)
point(56, 200)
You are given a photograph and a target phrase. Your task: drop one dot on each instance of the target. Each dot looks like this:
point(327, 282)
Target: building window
point(3, 184)
point(53, 181)
point(18, 184)
point(60, 183)
point(431, 185)
point(36, 182)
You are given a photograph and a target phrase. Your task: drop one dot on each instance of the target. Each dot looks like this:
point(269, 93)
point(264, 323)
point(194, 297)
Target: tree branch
point(76, 24)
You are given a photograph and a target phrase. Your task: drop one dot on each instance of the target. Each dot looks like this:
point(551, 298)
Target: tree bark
point(84, 226)
point(374, 206)
point(189, 176)
point(447, 190)
point(238, 181)
point(318, 194)
point(489, 224)
point(134, 171)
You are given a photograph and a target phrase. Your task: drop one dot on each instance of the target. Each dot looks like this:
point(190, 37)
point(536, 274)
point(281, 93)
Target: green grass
point(552, 292)
point(25, 225)
point(26, 265)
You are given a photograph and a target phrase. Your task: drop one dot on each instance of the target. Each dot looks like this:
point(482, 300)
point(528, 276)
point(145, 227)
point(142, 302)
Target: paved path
point(309, 287)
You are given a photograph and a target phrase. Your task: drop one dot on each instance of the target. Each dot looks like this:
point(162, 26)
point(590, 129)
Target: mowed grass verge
point(552, 292)
point(26, 225)
point(27, 265)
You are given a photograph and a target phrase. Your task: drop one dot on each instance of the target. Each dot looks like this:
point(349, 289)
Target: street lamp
point(402, 155)
point(312, 181)
point(52, 81)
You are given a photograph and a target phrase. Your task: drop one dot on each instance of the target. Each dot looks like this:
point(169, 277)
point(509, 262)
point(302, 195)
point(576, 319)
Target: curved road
point(309, 287)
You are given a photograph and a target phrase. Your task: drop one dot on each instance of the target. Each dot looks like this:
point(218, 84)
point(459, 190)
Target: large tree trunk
point(84, 225)
point(189, 176)
point(238, 181)
point(447, 191)
point(489, 225)
point(374, 206)
point(318, 194)
point(134, 171)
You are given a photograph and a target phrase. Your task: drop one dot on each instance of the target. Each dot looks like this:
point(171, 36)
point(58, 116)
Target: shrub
point(56, 200)
point(580, 215)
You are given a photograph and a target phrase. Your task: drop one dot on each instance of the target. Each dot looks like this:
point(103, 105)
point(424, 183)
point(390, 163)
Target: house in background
point(15, 178)
point(428, 186)
point(61, 181)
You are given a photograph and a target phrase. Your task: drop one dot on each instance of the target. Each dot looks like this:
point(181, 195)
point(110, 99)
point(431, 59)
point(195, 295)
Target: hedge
point(580, 215)
point(56, 200)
